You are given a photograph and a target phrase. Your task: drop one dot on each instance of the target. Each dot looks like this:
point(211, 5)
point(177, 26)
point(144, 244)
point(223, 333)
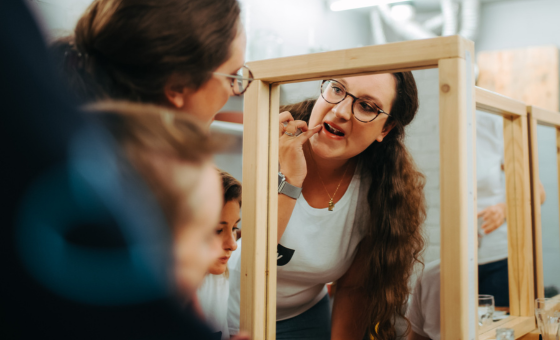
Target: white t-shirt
point(424, 310)
point(234, 265)
point(213, 297)
point(317, 247)
point(490, 182)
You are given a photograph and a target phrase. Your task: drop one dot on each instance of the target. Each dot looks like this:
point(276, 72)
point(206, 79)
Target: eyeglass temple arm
point(232, 76)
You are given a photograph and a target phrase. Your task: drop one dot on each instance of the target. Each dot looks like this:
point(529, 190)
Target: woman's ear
point(386, 129)
point(176, 94)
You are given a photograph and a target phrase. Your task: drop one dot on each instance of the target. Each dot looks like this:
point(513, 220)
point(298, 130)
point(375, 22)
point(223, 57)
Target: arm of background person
point(542, 193)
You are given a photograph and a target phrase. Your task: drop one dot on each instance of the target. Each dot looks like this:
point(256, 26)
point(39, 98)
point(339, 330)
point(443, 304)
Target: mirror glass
point(323, 229)
point(493, 287)
point(550, 226)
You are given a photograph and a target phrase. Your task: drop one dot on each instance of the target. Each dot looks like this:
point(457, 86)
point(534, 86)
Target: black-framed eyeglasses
point(239, 83)
point(363, 110)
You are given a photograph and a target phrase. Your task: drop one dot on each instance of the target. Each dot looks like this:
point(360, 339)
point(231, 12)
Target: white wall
point(57, 18)
point(422, 139)
point(301, 27)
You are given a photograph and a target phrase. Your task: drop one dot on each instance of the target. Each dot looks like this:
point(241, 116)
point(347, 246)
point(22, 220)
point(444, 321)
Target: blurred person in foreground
point(83, 243)
point(173, 154)
point(187, 54)
point(174, 157)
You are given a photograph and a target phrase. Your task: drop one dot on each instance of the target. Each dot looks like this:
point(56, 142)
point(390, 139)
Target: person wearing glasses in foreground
point(188, 55)
point(350, 209)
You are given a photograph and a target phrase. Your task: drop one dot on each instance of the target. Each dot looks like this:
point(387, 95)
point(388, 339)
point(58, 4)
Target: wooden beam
point(558, 169)
point(536, 206)
point(520, 233)
point(534, 335)
point(254, 253)
point(272, 211)
point(496, 103)
point(545, 117)
point(521, 325)
point(409, 55)
point(458, 260)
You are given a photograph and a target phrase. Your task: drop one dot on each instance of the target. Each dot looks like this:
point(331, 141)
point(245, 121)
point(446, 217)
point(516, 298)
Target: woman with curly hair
point(351, 209)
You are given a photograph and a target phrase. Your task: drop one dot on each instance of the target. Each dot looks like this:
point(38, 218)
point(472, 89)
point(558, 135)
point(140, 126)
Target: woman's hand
point(290, 156)
point(493, 217)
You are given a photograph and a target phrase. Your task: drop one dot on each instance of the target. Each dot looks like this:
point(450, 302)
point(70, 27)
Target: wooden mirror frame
point(453, 56)
point(538, 116)
point(518, 200)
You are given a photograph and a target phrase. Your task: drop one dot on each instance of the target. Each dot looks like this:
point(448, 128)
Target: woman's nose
point(343, 110)
point(230, 243)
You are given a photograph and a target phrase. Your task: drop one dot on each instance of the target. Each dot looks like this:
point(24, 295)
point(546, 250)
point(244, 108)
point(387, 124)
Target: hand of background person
point(493, 217)
point(290, 156)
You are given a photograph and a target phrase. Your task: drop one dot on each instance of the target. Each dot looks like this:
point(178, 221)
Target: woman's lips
point(325, 131)
point(224, 259)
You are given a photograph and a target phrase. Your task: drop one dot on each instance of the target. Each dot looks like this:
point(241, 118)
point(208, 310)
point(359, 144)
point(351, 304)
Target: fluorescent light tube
point(342, 5)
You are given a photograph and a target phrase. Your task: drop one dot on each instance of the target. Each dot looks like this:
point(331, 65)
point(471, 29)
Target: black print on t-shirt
point(283, 255)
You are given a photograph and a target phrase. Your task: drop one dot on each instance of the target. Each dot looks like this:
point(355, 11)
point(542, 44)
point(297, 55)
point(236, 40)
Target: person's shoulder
point(431, 272)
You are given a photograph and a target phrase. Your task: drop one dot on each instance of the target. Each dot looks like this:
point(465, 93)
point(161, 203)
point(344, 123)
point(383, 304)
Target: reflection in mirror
point(352, 208)
point(550, 226)
point(492, 216)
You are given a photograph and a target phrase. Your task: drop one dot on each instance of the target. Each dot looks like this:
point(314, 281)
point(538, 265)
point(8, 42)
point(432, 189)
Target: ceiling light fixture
point(343, 5)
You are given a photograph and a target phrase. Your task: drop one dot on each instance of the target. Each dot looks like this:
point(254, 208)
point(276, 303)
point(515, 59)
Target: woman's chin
point(217, 269)
point(322, 149)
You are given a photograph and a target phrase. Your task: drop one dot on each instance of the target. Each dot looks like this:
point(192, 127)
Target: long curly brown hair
point(395, 238)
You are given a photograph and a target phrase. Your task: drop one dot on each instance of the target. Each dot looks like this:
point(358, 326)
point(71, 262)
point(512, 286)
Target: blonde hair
point(157, 140)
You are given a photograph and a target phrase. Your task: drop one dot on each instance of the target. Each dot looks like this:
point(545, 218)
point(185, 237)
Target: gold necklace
point(331, 202)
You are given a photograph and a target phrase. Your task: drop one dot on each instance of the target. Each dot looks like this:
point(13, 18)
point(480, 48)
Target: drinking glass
point(547, 312)
point(480, 231)
point(485, 309)
point(504, 334)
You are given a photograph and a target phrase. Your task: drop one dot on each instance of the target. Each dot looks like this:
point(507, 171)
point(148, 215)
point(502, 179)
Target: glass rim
point(354, 101)
point(239, 79)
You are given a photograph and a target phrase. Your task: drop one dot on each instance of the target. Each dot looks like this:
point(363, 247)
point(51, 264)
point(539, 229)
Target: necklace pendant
point(331, 205)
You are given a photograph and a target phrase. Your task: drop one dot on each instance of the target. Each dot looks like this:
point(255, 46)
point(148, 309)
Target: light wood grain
point(272, 211)
point(539, 116)
point(455, 313)
point(536, 206)
point(253, 304)
point(529, 74)
point(558, 162)
point(409, 55)
point(496, 103)
point(534, 335)
point(496, 324)
point(520, 233)
point(521, 325)
point(545, 117)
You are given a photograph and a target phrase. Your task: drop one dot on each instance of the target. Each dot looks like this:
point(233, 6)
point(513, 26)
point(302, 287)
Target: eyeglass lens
point(240, 85)
point(334, 92)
